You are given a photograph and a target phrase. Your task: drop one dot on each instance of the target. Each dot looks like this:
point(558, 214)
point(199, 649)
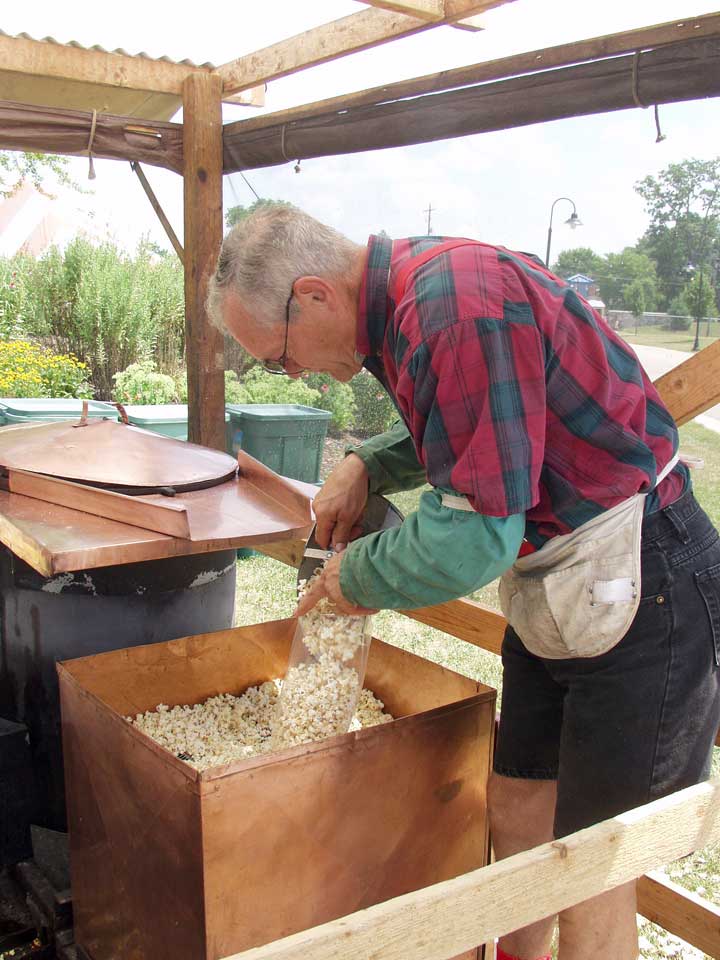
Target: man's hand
point(340, 503)
point(327, 584)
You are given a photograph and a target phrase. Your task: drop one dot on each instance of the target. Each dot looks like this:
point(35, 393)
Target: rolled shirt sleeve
point(391, 461)
point(437, 554)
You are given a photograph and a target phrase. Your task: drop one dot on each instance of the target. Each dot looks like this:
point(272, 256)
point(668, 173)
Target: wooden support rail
point(448, 918)
point(679, 911)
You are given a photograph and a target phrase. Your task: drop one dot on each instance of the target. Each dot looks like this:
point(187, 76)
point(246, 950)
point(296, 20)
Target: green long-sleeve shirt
point(439, 553)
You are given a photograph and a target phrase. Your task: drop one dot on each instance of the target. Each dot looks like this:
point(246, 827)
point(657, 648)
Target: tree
point(235, 214)
point(16, 168)
point(683, 203)
point(634, 297)
point(623, 270)
point(699, 295)
point(579, 260)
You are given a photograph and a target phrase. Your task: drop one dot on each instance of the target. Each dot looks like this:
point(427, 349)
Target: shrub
point(335, 397)
point(29, 370)
point(263, 387)
point(109, 309)
point(680, 323)
point(235, 392)
point(141, 383)
point(12, 297)
point(375, 410)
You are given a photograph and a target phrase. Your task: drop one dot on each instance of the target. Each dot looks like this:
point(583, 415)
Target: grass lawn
point(650, 336)
point(266, 591)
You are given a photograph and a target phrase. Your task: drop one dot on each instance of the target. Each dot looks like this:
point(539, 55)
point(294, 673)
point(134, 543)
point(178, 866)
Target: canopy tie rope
point(660, 136)
point(91, 169)
point(282, 150)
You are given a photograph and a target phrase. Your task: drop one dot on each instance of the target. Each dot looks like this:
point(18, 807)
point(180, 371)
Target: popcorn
point(324, 678)
point(226, 728)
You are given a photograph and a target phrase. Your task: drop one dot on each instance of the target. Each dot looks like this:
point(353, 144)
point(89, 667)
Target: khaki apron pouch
point(579, 597)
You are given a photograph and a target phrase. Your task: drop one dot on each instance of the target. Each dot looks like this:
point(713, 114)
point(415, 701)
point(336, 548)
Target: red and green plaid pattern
point(516, 392)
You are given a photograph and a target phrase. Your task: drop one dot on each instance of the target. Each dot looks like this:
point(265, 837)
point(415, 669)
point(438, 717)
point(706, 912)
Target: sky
point(497, 187)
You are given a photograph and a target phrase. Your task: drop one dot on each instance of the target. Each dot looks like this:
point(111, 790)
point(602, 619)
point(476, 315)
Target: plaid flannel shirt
point(516, 392)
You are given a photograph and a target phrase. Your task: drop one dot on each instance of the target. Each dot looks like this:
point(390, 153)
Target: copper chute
point(65, 503)
point(169, 862)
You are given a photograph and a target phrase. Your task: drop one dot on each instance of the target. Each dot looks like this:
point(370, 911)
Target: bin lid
point(277, 411)
point(155, 413)
point(44, 407)
point(115, 455)
point(158, 413)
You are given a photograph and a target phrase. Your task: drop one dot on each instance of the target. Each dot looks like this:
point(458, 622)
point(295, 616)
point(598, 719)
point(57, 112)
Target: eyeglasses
point(278, 366)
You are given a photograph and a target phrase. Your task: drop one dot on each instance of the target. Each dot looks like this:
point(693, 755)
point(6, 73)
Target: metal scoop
point(379, 514)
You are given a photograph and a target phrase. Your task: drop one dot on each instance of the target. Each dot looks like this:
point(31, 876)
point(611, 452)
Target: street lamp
point(690, 271)
point(573, 222)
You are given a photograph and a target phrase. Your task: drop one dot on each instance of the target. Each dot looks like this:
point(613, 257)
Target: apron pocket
point(583, 610)
point(593, 604)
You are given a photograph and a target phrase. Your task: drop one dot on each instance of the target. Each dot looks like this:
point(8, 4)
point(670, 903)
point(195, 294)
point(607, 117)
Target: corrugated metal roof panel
point(119, 50)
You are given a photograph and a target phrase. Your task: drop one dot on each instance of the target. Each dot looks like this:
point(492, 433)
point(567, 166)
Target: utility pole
point(429, 222)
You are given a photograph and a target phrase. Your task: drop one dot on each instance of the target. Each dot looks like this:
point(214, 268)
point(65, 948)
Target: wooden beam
point(60, 61)
point(516, 65)
point(465, 619)
point(424, 9)
point(444, 919)
point(205, 355)
point(329, 41)
point(461, 14)
point(681, 912)
point(155, 204)
point(471, 24)
point(693, 387)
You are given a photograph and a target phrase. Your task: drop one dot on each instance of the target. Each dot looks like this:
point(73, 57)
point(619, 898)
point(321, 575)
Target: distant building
point(585, 286)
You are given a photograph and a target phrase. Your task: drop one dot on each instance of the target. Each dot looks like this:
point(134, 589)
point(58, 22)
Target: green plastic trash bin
point(168, 419)
point(287, 437)
point(15, 410)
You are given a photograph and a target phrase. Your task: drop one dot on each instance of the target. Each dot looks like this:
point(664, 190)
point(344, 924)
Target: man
point(552, 462)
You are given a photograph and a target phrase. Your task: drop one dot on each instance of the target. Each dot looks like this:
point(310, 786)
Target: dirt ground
point(334, 451)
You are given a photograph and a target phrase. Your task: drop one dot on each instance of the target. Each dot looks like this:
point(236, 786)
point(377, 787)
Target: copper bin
point(172, 864)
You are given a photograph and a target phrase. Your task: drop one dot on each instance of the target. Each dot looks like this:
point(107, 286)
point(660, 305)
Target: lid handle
point(83, 421)
point(122, 412)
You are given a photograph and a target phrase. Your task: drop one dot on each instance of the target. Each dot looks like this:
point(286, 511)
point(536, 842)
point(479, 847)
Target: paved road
point(658, 360)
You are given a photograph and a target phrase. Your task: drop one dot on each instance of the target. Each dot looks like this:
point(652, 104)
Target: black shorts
point(640, 721)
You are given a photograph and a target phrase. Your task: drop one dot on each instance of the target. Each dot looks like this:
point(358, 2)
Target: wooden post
point(204, 348)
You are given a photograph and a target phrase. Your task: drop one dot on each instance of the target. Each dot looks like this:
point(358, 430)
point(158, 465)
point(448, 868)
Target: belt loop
point(677, 524)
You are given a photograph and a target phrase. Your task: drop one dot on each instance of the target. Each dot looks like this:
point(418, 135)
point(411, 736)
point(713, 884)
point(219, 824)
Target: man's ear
point(313, 291)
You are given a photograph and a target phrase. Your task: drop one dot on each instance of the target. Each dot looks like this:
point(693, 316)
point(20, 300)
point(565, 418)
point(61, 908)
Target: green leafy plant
point(235, 392)
point(141, 383)
point(263, 387)
point(335, 397)
point(29, 370)
point(107, 308)
point(12, 297)
point(375, 410)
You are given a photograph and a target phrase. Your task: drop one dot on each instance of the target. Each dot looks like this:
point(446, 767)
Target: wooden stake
point(204, 347)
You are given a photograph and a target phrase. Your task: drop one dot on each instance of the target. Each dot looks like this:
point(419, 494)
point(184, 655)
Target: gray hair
point(266, 252)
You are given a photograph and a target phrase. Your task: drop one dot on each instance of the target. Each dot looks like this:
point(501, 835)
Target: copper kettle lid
point(114, 455)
